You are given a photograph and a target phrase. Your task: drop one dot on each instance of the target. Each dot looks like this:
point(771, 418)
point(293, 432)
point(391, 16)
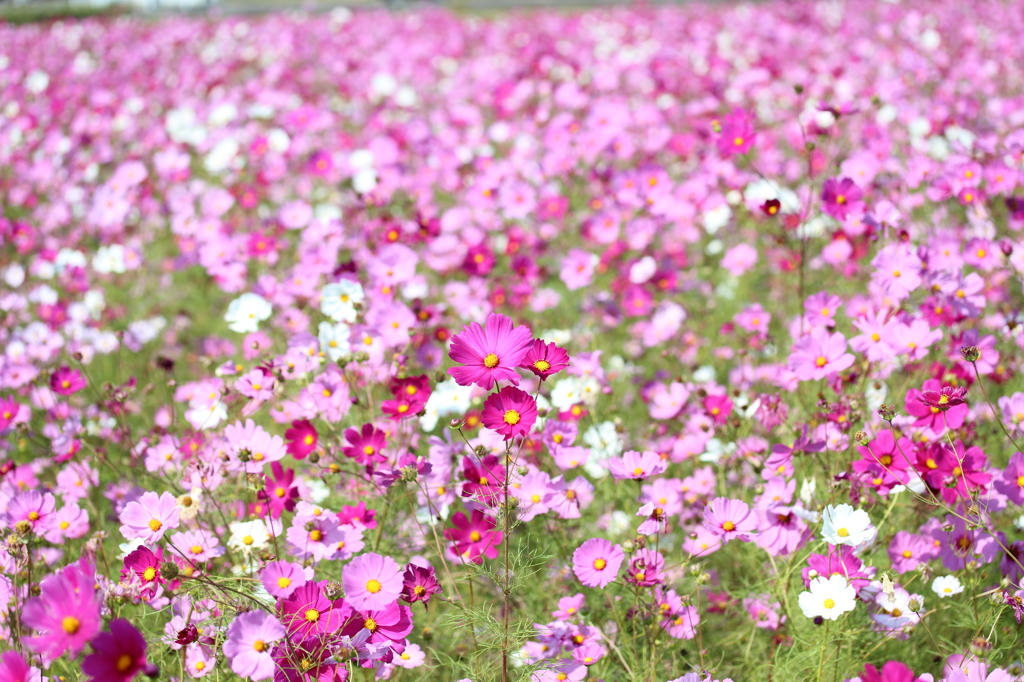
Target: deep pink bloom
point(545, 359)
point(893, 671)
point(365, 445)
point(419, 583)
point(484, 478)
point(718, 407)
point(372, 581)
point(302, 438)
point(645, 568)
point(944, 398)
point(510, 412)
point(491, 353)
point(279, 491)
point(844, 562)
point(474, 536)
point(308, 612)
point(840, 197)
point(66, 615)
point(66, 381)
point(13, 668)
point(9, 409)
point(387, 625)
point(358, 516)
point(730, 519)
point(118, 655)
point(145, 565)
point(597, 561)
point(933, 416)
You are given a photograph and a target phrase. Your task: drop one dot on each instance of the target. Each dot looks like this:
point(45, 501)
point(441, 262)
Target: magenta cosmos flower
point(372, 582)
point(596, 562)
point(66, 381)
point(730, 519)
point(819, 354)
point(637, 465)
point(13, 668)
point(118, 655)
point(737, 134)
point(66, 615)
point(840, 197)
point(491, 353)
point(545, 359)
point(944, 398)
point(302, 438)
point(282, 578)
point(248, 644)
point(149, 517)
point(474, 537)
point(308, 612)
point(419, 583)
point(510, 412)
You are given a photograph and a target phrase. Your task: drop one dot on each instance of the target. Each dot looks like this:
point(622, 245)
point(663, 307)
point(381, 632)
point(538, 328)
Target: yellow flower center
point(512, 417)
point(370, 624)
point(124, 663)
point(283, 582)
point(196, 549)
point(542, 365)
point(599, 564)
point(821, 361)
point(475, 536)
point(33, 516)
point(843, 533)
point(373, 586)
point(829, 604)
point(638, 471)
point(490, 360)
point(907, 554)
point(316, 535)
point(312, 615)
point(728, 526)
point(247, 540)
point(259, 645)
point(308, 440)
point(149, 574)
point(70, 624)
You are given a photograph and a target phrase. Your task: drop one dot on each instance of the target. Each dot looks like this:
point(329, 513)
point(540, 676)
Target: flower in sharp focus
point(828, 597)
point(510, 412)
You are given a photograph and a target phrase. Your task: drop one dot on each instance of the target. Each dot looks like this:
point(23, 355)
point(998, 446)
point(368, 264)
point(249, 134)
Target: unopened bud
point(334, 590)
point(169, 570)
point(628, 546)
point(887, 412)
point(861, 437)
point(798, 89)
point(970, 353)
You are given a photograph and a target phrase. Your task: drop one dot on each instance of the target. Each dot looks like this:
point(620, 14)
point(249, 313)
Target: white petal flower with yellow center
point(828, 597)
point(844, 525)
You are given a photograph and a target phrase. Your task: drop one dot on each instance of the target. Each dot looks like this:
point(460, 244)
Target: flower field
point(639, 344)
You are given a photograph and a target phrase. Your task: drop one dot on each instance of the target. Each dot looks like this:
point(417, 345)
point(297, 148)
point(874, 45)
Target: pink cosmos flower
point(545, 359)
point(365, 445)
point(510, 412)
point(302, 438)
point(474, 537)
point(944, 398)
point(118, 655)
point(279, 490)
point(588, 654)
point(930, 414)
point(841, 197)
point(149, 517)
point(819, 354)
point(1011, 482)
point(892, 671)
point(248, 644)
point(66, 615)
point(257, 384)
point(637, 465)
point(66, 381)
point(308, 612)
point(491, 353)
point(372, 582)
point(596, 562)
point(419, 583)
point(645, 568)
point(282, 578)
point(737, 134)
point(13, 668)
point(730, 519)
point(31, 507)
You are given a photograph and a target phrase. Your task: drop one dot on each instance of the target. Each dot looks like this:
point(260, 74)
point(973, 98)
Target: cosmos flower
point(828, 598)
point(249, 642)
point(491, 353)
point(510, 412)
point(372, 582)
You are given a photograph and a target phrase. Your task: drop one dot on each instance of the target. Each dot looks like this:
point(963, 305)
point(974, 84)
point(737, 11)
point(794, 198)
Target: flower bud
point(334, 590)
point(861, 437)
point(169, 570)
point(887, 412)
point(628, 546)
point(970, 353)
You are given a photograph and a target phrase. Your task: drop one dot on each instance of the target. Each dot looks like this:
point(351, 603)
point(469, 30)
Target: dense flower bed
point(674, 343)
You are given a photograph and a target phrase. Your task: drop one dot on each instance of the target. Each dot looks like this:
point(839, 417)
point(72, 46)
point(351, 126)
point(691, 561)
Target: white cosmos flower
point(339, 299)
point(828, 597)
point(248, 535)
point(246, 312)
point(447, 399)
point(333, 340)
point(947, 586)
point(844, 525)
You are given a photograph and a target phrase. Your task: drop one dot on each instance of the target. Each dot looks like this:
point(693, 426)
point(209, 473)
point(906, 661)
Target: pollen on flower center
point(196, 549)
point(370, 624)
point(247, 540)
point(490, 361)
point(511, 417)
point(475, 536)
point(821, 361)
point(373, 586)
point(124, 663)
point(149, 574)
point(728, 526)
point(312, 615)
point(638, 471)
point(316, 535)
point(542, 365)
point(829, 604)
point(738, 141)
point(599, 564)
point(70, 624)
point(843, 533)
point(259, 645)
point(284, 582)
point(155, 525)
